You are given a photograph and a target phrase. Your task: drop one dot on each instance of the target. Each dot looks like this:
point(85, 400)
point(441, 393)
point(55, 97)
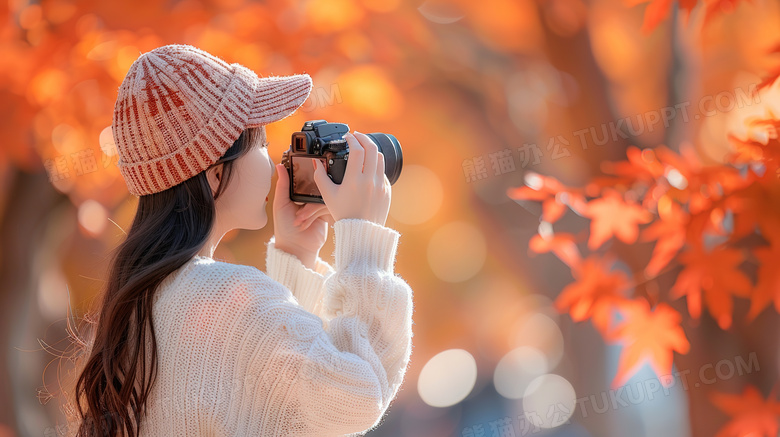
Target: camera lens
point(389, 146)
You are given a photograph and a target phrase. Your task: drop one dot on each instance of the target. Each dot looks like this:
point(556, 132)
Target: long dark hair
point(169, 229)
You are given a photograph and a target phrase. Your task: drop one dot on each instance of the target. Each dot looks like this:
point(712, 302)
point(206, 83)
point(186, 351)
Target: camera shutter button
point(330, 161)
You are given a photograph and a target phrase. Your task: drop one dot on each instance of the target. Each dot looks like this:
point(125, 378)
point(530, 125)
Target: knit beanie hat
point(180, 108)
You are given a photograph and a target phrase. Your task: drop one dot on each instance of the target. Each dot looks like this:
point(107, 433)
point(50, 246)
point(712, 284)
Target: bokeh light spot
point(457, 252)
point(368, 91)
point(541, 332)
point(417, 195)
point(549, 401)
point(447, 378)
point(515, 371)
point(327, 16)
point(52, 294)
point(93, 217)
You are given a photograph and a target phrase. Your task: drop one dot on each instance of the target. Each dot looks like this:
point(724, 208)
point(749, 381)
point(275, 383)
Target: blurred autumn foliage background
point(589, 205)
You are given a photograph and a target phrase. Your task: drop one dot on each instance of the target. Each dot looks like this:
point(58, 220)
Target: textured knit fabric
point(290, 352)
point(180, 108)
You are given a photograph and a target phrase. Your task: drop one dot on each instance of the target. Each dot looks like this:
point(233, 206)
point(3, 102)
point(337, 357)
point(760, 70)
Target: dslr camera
point(325, 141)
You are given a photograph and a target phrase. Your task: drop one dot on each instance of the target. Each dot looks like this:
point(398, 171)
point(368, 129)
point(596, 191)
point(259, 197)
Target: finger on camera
point(371, 152)
point(305, 226)
point(356, 156)
point(321, 179)
point(281, 195)
point(319, 219)
point(380, 164)
point(310, 220)
point(312, 212)
point(308, 209)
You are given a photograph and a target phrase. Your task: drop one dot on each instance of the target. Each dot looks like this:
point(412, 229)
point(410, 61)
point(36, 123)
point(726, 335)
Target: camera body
point(325, 141)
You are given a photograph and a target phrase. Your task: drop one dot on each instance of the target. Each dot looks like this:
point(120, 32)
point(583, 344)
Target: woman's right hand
point(365, 191)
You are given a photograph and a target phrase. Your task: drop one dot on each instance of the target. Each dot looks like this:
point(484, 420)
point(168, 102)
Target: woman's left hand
point(299, 230)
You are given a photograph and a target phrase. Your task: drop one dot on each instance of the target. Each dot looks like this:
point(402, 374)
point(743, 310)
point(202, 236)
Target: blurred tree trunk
point(28, 208)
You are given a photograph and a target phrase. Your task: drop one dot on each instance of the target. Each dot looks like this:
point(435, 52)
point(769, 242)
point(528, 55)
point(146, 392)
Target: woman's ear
point(214, 176)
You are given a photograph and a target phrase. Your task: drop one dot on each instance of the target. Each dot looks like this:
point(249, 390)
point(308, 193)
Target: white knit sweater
point(290, 352)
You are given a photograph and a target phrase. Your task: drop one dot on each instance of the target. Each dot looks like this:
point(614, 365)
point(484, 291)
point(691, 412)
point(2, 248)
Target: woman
point(186, 345)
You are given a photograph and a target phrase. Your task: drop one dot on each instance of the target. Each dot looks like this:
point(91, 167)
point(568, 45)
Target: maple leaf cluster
point(705, 223)
point(704, 220)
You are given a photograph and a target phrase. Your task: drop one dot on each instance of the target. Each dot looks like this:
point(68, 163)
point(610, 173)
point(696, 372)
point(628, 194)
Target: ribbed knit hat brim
point(180, 108)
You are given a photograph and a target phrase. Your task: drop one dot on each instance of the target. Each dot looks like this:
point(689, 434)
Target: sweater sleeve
point(307, 285)
point(336, 375)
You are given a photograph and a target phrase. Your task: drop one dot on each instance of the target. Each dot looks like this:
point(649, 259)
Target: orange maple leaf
point(699, 185)
point(563, 245)
point(641, 164)
point(526, 192)
point(611, 215)
point(669, 230)
point(552, 210)
point(757, 205)
point(595, 294)
point(715, 273)
point(715, 7)
point(648, 337)
point(555, 196)
point(658, 10)
point(752, 415)
point(768, 284)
